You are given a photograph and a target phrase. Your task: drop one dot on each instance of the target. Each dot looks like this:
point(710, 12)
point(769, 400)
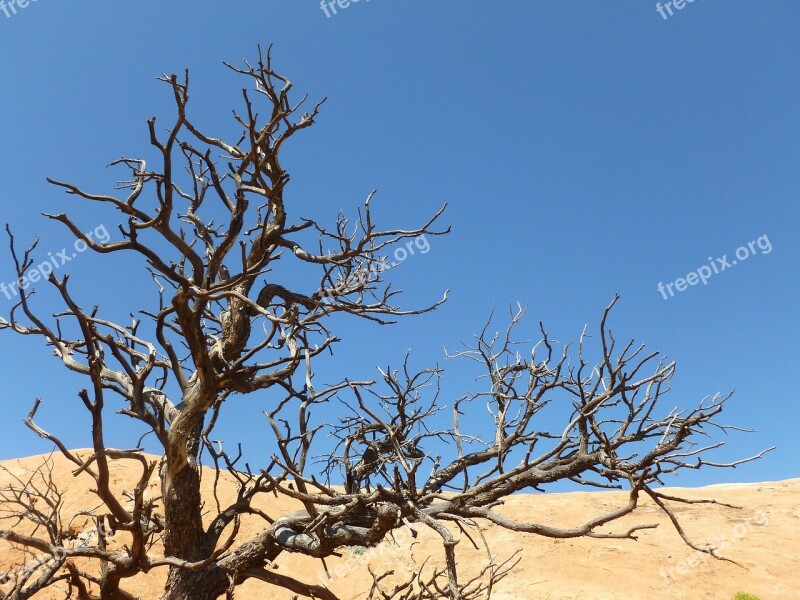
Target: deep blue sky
point(584, 148)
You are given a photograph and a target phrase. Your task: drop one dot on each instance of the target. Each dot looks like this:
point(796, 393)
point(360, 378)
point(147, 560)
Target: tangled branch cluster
point(211, 224)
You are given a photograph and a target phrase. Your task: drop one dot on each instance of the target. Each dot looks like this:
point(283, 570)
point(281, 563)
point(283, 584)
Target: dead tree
point(209, 221)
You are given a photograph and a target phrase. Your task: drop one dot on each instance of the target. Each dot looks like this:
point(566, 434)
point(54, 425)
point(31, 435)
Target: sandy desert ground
point(763, 537)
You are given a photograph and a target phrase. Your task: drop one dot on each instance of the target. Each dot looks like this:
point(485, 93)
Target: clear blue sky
point(584, 148)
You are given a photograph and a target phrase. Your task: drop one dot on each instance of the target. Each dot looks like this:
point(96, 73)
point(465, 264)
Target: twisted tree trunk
point(204, 584)
point(185, 537)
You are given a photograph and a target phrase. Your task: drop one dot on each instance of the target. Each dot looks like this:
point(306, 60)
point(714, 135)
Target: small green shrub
point(745, 596)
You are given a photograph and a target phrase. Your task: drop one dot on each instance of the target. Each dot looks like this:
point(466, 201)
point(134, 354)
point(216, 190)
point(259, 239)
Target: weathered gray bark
point(185, 536)
point(203, 584)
